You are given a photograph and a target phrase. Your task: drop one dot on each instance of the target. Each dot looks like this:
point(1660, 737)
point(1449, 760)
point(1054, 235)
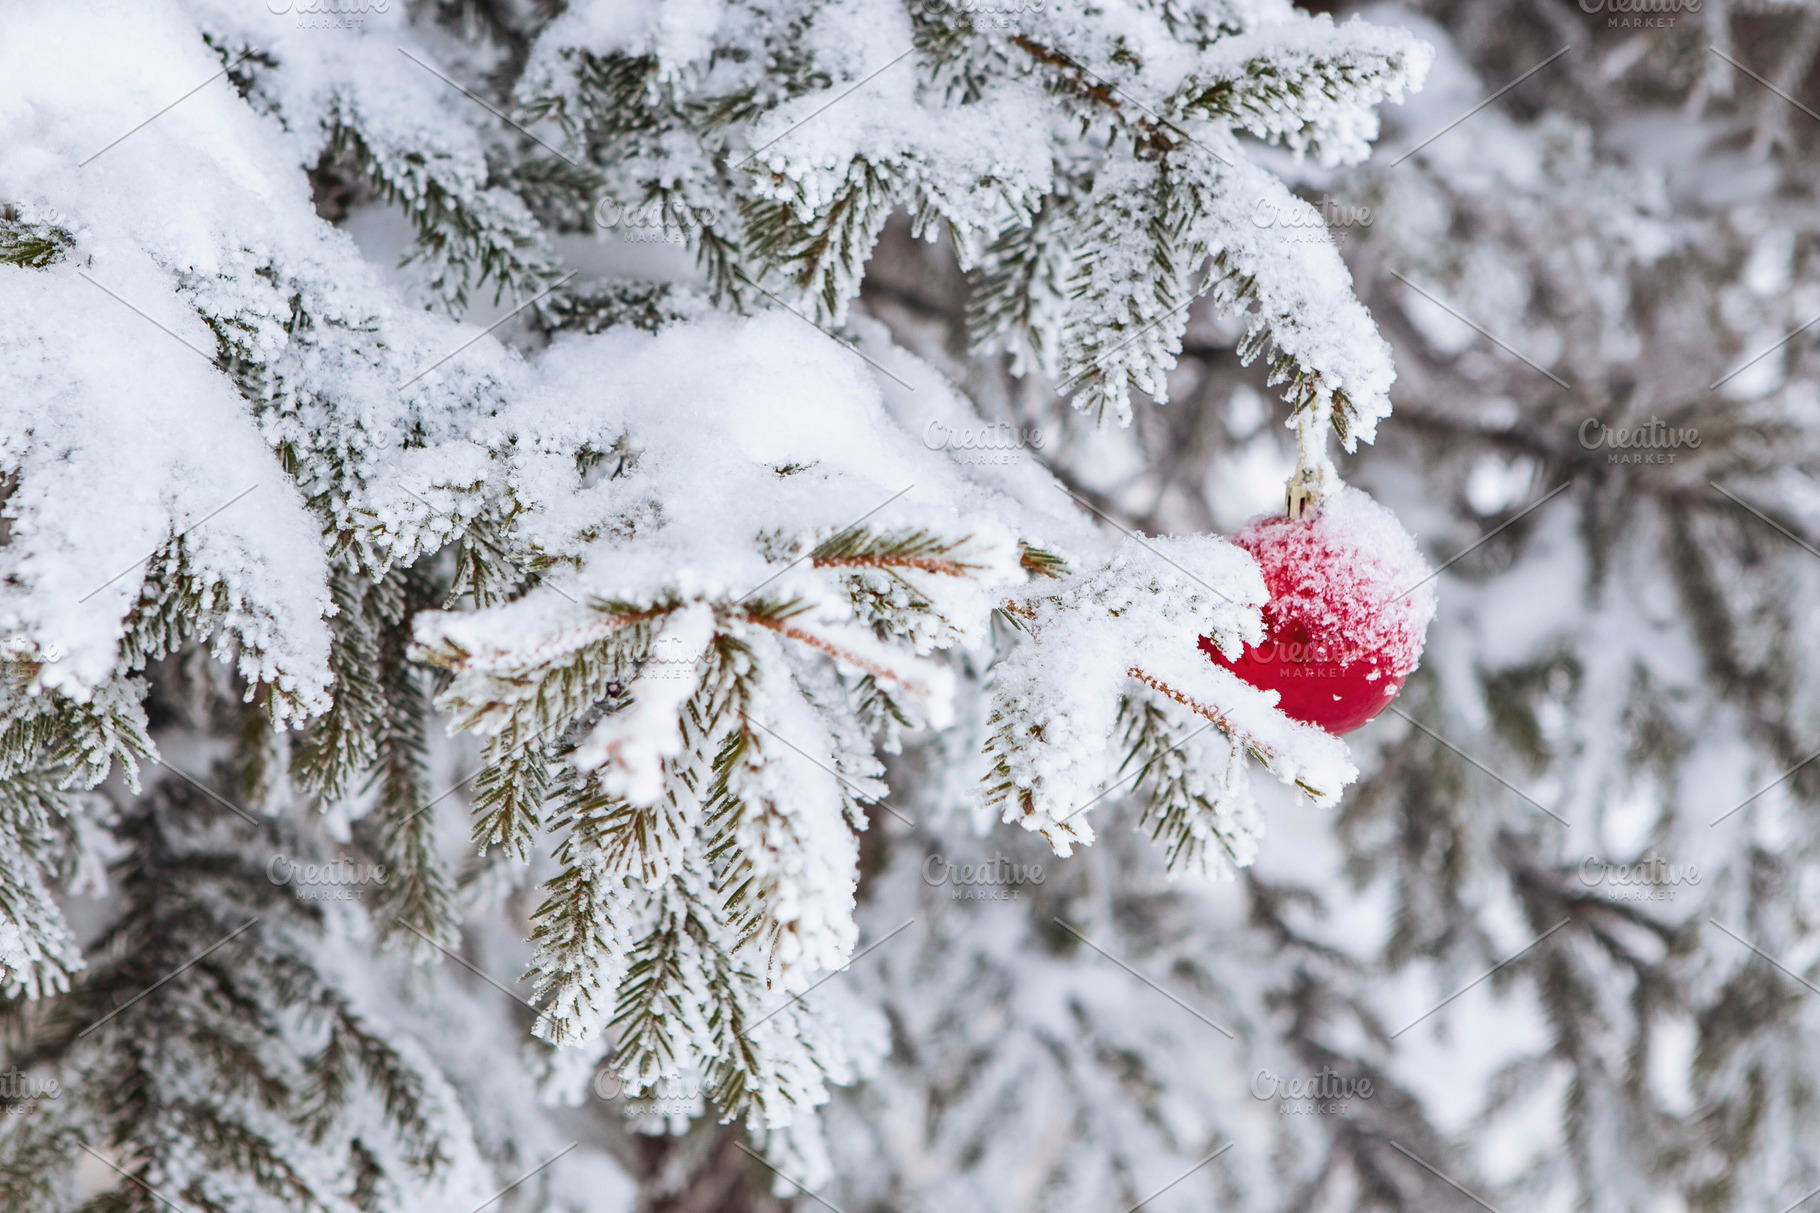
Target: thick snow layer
point(131, 437)
point(165, 220)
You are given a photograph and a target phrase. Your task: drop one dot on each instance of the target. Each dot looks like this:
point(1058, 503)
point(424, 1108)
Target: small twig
point(923, 564)
point(1219, 718)
point(823, 645)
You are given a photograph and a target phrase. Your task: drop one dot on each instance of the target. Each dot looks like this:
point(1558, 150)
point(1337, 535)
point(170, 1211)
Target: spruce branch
point(465, 237)
point(1184, 812)
point(79, 742)
point(846, 651)
point(177, 1052)
point(878, 568)
point(1270, 755)
point(343, 742)
point(510, 792)
point(38, 953)
point(823, 257)
point(1041, 561)
point(29, 245)
point(416, 895)
point(1221, 720)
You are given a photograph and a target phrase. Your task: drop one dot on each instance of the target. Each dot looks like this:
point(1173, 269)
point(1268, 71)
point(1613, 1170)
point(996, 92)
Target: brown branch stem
point(1221, 721)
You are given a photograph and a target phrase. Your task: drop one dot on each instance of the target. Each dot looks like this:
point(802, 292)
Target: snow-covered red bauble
point(1350, 601)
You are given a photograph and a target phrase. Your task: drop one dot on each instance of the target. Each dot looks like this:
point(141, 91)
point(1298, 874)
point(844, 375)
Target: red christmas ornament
point(1350, 602)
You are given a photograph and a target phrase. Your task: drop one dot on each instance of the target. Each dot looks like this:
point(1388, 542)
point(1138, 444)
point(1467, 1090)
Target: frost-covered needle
point(174, 538)
point(555, 151)
point(1136, 774)
point(473, 775)
point(851, 786)
point(871, 947)
point(1160, 120)
point(806, 555)
point(1063, 387)
point(492, 547)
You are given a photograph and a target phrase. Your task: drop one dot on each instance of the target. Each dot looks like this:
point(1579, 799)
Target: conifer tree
point(350, 492)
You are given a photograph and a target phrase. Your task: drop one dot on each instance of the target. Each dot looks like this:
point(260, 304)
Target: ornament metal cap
point(1314, 476)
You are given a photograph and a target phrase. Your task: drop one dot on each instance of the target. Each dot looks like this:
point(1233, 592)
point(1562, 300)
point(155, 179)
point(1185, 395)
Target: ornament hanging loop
point(1314, 476)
